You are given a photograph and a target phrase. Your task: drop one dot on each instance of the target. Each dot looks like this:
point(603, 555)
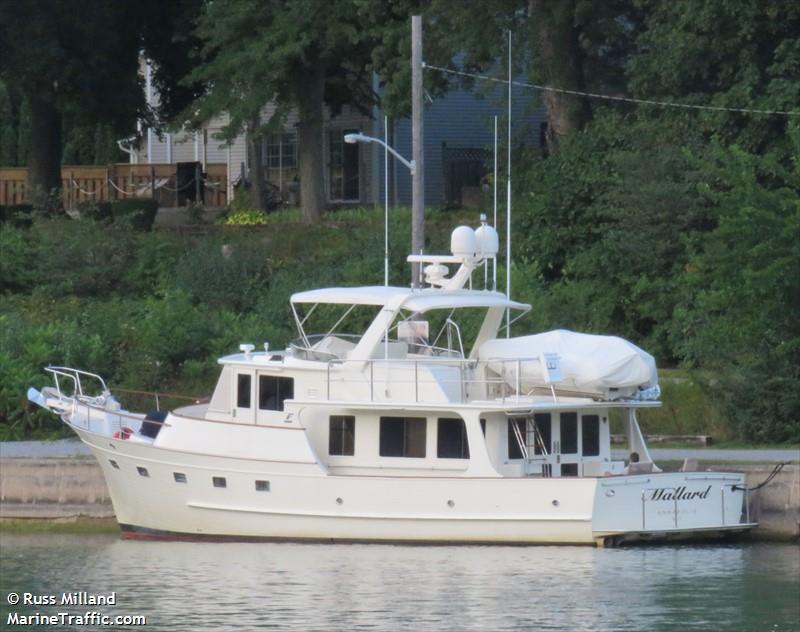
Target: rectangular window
point(273, 390)
point(179, 477)
point(403, 436)
point(451, 439)
point(243, 390)
point(142, 471)
point(569, 469)
point(262, 486)
point(342, 435)
point(590, 427)
point(219, 481)
point(281, 151)
point(514, 450)
point(544, 433)
point(569, 433)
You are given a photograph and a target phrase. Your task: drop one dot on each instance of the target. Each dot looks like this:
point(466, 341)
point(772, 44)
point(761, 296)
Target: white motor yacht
point(408, 417)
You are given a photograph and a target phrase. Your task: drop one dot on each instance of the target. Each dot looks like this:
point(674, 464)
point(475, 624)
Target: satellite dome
point(463, 242)
point(487, 240)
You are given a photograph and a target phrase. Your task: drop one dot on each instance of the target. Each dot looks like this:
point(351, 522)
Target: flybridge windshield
point(327, 332)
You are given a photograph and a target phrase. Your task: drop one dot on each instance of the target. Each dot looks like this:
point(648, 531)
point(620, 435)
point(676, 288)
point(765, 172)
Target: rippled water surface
point(194, 586)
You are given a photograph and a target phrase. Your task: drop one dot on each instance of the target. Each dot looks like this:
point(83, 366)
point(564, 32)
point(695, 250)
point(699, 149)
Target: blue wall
point(461, 119)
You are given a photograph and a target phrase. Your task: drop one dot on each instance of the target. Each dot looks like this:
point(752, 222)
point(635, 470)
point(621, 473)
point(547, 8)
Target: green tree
point(741, 292)
point(83, 57)
point(295, 57)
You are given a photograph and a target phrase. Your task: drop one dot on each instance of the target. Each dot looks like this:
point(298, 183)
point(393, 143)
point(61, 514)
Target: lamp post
point(412, 167)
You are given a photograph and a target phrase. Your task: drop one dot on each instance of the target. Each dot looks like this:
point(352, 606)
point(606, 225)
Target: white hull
point(302, 504)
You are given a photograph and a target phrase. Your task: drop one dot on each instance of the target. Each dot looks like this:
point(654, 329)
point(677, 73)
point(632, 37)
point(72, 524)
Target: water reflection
point(187, 586)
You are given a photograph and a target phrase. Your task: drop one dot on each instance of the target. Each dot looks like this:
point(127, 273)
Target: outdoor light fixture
point(363, 138)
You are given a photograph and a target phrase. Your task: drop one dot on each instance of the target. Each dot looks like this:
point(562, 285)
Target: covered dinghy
point(604, 367)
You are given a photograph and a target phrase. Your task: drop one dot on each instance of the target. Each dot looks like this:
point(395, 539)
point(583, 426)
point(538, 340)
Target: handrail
point(75, 374)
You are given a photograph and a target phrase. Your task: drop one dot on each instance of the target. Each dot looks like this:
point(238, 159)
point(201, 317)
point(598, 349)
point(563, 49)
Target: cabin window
point(403, 436)
point(569, 433)
point(262, 486)
point(590, 435)
point(142, 471)
point(342, 435)
point(451, 439)
point(273, 390)
point(542, 422)
point(114, 464)
point(483, 427)
point(179, 477)
point(514, 450)
point(219, 481)
point(243, 390)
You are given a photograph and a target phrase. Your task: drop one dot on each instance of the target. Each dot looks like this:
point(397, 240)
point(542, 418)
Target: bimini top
point(406, 298)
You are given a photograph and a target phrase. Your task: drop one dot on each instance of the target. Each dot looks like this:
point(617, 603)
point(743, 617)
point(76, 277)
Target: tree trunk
point(311, 94)
point(44, 159)
point(258, 196)
point(559, 64)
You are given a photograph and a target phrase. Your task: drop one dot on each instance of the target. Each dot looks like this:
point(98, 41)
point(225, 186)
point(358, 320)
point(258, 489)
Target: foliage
point(246, 218)
point(139, 212)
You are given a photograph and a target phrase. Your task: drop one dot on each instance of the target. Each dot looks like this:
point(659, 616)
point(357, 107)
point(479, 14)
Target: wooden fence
point(115, 182)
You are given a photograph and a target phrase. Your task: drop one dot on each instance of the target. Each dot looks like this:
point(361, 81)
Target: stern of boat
point(670, 506)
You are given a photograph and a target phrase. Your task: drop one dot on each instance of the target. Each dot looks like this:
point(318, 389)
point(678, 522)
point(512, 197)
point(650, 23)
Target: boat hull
point(171, 494)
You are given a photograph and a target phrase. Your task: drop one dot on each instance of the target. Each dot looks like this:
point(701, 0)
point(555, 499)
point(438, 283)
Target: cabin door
point(244, 397)
point(578, 444)
point(566, 448)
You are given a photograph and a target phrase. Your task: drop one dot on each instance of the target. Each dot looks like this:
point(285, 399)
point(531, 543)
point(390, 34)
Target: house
point(458, 139)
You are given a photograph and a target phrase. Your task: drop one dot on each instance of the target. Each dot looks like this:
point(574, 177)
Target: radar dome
point(463, 242)
point(487, 240)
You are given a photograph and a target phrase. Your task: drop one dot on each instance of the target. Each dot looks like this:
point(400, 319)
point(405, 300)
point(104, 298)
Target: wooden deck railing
point(114, 182)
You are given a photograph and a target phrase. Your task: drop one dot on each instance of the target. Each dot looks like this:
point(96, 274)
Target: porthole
point(262, 486)
point(219, 481)
point(142, 471)
point(179, 477)
point(114, 464)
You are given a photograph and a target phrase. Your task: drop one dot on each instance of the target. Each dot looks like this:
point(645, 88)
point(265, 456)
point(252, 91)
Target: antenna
point(508, 199)
point(494, 181)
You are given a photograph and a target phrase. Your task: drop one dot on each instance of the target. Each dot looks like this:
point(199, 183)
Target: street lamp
point(363, 138)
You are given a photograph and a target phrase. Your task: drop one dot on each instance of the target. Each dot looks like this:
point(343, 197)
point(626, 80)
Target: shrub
point(246, 218)
point(16, 215)
point(95, 210)
point(141, 212)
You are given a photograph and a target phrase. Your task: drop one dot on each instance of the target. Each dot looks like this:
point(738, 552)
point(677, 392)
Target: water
point(196, 586)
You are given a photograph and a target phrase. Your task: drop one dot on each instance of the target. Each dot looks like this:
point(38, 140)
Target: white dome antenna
point(463, 243)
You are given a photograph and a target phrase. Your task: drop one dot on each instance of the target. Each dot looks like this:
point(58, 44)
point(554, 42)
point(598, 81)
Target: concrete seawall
point(64, 488)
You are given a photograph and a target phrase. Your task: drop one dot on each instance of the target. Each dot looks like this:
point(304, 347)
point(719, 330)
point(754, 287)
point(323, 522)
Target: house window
point(451, 439)
point(514, 449)
point(343, 184)
point(142, 471)
point(273, 390)
point(590, 435)
point(262, 486)
point(281, 151)
point(342, 435)
point(219, 481)
point(179, 477)
point(243, 390)
point(403, 436)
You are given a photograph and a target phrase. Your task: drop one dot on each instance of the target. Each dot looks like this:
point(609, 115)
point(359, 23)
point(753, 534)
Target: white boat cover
point(604, 367)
